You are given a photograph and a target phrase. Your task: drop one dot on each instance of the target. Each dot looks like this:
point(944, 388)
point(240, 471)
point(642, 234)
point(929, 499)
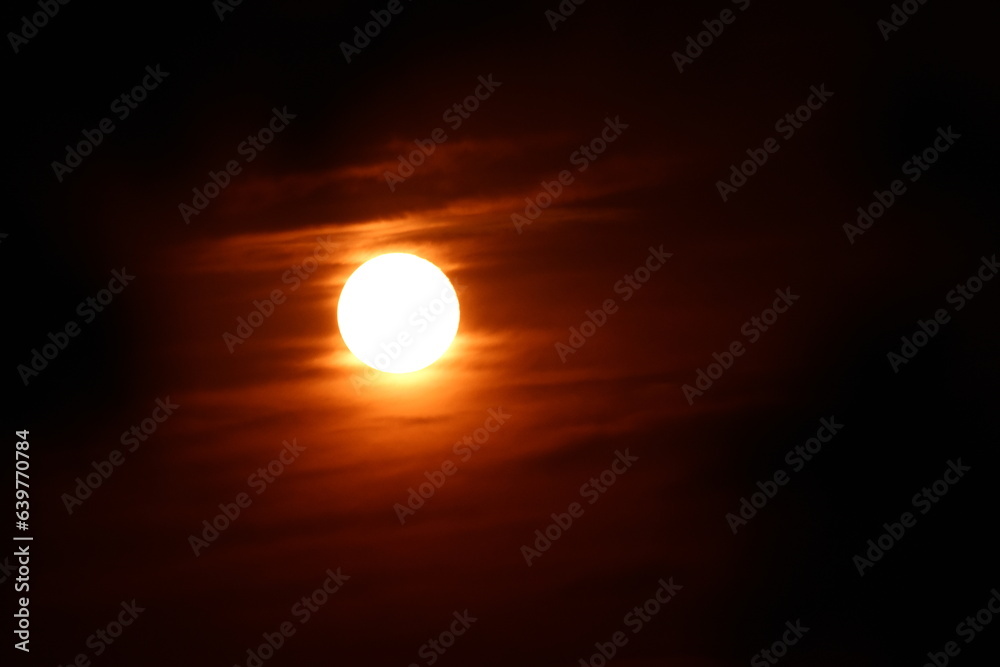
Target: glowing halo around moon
point(398, 313)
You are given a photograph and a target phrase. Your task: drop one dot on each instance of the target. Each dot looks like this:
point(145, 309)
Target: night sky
point(724, 389)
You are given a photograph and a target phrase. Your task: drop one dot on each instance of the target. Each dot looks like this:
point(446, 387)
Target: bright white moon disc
point(398, 313)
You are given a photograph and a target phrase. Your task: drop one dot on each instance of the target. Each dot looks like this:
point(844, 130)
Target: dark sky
point(356, 443)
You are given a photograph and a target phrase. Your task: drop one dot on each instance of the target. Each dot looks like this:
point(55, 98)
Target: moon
point(398, 313)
